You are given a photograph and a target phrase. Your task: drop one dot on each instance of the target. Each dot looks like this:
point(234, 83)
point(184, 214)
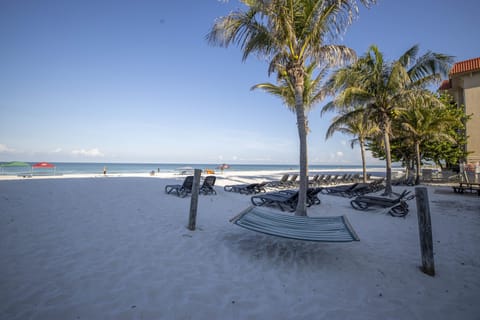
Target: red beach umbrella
point(43, 165)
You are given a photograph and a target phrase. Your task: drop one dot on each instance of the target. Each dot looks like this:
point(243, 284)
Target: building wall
point(466, 91)
point(472, 106)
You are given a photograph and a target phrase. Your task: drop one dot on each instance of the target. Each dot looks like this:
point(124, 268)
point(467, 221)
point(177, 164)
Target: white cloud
point(5, 148)
point(95, 152)
point(57, 150)
point(339, 154)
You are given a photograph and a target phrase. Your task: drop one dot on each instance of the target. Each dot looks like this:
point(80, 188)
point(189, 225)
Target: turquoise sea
point(66, 168)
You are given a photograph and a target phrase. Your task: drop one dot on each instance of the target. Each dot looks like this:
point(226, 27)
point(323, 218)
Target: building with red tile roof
point(466, 66)
point(464, 85)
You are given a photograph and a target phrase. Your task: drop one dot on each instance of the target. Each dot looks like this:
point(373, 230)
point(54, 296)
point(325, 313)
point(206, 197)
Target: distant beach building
point(464, 85)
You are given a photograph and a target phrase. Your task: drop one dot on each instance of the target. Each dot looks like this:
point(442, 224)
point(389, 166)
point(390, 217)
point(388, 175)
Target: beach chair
point(398, 206)
point(356, 177)
point(377, 185)
point(339, 190)
point(286, 199)
point(207, 185)
point(181, 190)
point(342, 179)
point(312, 195)
point(292, 181)
point(313, 182)
point(346, 178)
point(281, 200)
point(408, 181)
point(358, 189)
point(364, 188)
point(282, 183)
point(321, 179)
point(246, 188)
point(328, 179)
point(259, 187)
point(463, 187)
point(239, 188)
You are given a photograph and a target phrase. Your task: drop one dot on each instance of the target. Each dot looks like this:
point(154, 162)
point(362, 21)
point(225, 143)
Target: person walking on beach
point(105, 171)
point(477, 172)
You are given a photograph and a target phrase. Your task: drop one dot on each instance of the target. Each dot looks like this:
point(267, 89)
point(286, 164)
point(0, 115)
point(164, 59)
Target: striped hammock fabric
point(322, 229)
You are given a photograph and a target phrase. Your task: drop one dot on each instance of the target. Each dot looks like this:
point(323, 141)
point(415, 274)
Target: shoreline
point(377, 172)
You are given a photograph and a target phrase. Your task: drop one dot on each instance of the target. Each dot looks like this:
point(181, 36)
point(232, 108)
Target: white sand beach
point(118, 248)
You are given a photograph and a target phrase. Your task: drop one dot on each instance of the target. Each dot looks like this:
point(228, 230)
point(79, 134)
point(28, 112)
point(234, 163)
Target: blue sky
point(135, 81)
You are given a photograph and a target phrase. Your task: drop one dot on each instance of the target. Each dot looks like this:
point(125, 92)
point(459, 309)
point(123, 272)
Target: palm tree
point(312, 93)
point(290, 34)
point(355, 123)
point(385, 89)
point(425, 121)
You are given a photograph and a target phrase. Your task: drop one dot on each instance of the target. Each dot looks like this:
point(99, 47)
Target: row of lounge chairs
point(317, 180)
point(335, 179)
point(184, 189)
point(291, 181)
point(288, 199)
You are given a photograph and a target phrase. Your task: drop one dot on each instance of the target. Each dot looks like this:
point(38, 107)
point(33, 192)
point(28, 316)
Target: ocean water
point(65, 168)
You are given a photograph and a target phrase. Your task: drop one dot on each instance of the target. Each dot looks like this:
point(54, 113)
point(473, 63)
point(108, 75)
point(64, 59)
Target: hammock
point(322, 229)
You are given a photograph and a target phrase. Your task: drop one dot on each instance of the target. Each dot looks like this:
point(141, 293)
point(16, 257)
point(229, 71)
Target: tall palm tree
point(290, 34)
point(355, 123)
point(386, 88)
point(425, 121)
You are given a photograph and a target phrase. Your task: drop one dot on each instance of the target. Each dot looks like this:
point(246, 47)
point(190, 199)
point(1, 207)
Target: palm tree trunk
point(302, 134)
point(419, 163)
point(364, 163)
point(296, 74)
point(388, 159)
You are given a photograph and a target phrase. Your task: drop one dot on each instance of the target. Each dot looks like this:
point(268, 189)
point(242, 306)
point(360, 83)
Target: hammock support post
point(192, 219)
point(425, 231)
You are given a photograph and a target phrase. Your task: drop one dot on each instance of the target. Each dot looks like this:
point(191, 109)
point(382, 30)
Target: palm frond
point(408, 57)
point(430, 64)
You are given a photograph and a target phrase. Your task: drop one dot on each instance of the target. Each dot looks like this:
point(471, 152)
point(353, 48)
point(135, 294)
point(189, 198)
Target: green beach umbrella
point(15, 164)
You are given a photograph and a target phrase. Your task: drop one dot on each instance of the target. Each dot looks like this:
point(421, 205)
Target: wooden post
point(425, 230)
point(192, 219)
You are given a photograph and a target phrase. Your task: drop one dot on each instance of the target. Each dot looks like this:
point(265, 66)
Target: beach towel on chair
point(322, 229)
